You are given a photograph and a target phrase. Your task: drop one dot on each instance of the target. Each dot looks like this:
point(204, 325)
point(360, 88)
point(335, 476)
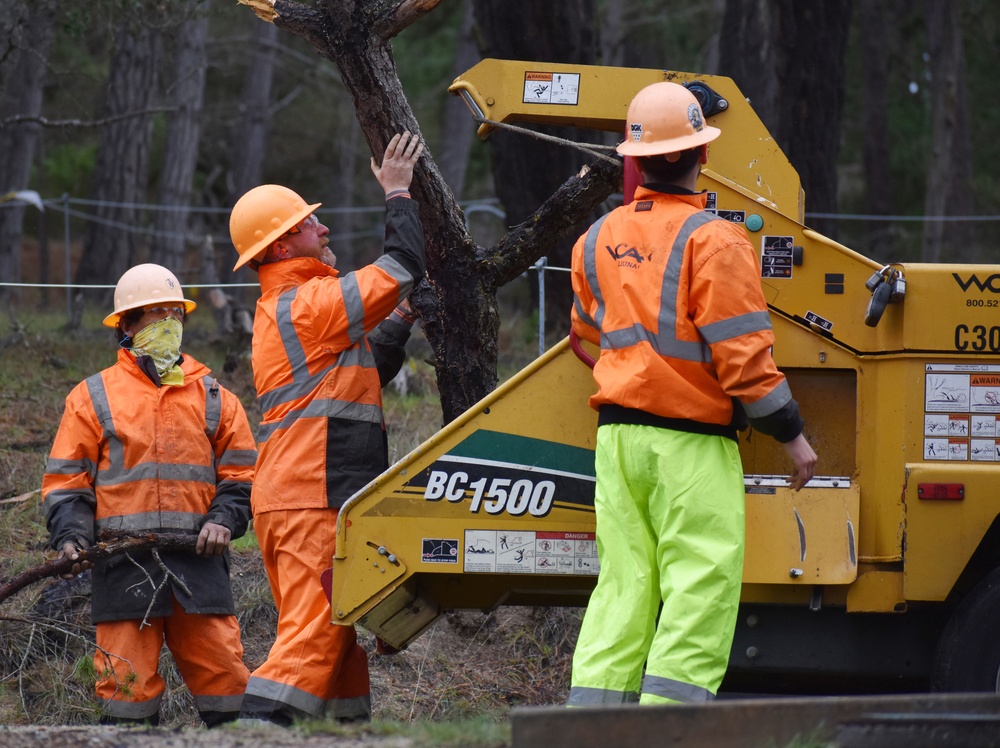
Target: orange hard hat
point(664, 118)
point(262, 215)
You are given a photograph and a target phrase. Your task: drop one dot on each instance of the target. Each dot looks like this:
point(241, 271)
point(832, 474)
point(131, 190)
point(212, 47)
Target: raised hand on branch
point(401, 155)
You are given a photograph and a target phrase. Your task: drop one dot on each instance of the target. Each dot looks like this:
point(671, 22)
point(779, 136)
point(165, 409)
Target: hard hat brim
point(674, 145)
point(112, 319)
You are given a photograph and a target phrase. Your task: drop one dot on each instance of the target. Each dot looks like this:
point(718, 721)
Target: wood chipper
point(883, 573)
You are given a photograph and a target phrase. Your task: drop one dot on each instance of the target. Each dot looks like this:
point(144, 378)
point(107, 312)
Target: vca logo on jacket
point(991, 284)
point(627, 256)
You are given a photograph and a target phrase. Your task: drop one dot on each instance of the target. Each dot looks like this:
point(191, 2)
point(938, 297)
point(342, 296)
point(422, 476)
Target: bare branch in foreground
point(106, 547)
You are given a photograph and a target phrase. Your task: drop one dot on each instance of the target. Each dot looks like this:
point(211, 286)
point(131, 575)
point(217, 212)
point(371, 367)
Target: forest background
point(140, 122)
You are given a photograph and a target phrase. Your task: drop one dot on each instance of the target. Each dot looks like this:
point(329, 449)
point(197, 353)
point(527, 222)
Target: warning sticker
point(526, 552)
point(439, 551)
point(552, 88)
point(961, 407)
point(776, 256)
point(733, 216)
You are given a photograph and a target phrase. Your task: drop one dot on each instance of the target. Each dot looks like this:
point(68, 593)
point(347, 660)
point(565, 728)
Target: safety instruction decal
point(439, 551)
point(529, 552)
point(962, 412)
point(733, 216)
point(552, 88)
point(776, 256)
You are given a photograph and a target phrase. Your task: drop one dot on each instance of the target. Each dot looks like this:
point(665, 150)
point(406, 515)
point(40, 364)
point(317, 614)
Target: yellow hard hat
point(261, 216)
point(665, 118)
point(143, 285)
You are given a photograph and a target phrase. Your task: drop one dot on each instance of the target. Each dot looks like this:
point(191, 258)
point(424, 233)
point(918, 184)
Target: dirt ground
point(115, 737)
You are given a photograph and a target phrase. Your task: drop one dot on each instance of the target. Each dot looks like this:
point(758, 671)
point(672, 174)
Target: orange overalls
point(321, 439)
point(130, 455)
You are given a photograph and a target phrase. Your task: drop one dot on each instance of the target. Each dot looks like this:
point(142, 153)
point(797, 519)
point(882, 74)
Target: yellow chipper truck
point(883, 573)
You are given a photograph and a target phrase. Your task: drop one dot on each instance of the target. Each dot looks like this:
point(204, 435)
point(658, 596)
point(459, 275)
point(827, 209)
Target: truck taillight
point(941, 491)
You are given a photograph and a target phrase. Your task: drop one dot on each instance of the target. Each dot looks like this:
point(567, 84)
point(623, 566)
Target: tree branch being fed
point(107, 545)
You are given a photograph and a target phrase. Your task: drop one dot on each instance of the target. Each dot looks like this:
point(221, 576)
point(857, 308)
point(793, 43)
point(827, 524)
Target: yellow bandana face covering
point(161, 341)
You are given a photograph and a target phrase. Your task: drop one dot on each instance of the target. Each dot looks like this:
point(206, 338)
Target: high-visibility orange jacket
point(322, 436)
point(672, 296)
point(130, 455)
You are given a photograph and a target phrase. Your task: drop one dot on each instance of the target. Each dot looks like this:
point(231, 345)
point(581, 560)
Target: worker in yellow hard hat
point(672, 295)
point(155, 444)
point(324, 343)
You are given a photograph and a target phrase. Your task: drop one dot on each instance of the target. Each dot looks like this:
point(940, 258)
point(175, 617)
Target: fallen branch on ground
point(106, 547)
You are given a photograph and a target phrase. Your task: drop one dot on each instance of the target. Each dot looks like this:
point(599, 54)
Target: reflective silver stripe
point(354, 307)
point(667, 342)
point(54, 466)
point(114, 475)
point(323, 409)
point(628, 336)
point(359, 707)
point(54, 498)
point(772, 401)
point(218, 703)
point(130, 709)
point(590, 269)
point(99, 399)
point(583, 696)
point(183, 521)
point(582, 313)
point(302, 381)
point(675, 689)
point(285, 694)
point(742, 324)
point(398, 272)
point(213, 405)
point(356, 355)
point(289, 337)
point(299, 388)
point(239, 457)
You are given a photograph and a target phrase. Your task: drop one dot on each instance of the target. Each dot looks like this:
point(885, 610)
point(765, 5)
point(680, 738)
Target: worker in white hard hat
point(672, 295)
point(154, 444)
point(324, 344)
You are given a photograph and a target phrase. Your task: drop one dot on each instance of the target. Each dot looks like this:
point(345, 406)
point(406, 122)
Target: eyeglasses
point(310, 222)
point(165, 311)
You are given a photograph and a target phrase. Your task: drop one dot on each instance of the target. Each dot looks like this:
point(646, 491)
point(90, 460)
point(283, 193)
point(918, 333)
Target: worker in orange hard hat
point(155, 444)
point(672, 295)
point(324, 344)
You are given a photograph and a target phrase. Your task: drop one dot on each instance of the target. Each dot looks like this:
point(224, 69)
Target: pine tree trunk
point(248, 137)
point(180, 152)
point(949, 178)
point(787, 57)
point(875, 124)
point(525, 170)
point(110, 240)
point(21, 89)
